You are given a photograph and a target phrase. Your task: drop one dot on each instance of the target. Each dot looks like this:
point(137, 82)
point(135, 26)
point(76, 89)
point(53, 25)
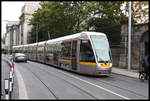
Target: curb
point(125, 73)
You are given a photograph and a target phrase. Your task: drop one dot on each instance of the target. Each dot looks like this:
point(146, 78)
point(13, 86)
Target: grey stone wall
point(115, 56)
point(137, 46)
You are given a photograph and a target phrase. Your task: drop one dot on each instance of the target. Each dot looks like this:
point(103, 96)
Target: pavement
point(125, 72)
point(117, 70)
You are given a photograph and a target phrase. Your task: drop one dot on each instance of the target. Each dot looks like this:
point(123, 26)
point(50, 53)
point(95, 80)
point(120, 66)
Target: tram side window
point(49, 52)
point(66, 50)
point(30, 51)
point(86, 51)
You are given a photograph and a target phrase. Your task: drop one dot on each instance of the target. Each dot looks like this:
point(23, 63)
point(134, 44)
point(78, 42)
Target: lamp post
point(129, 38)
point(48, 34)
point(37, 33)
point(36, 30)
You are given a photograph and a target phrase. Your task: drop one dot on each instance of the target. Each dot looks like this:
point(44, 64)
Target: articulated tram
point(84, 52)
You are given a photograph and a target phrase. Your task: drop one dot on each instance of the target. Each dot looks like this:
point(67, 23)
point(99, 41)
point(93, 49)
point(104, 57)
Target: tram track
point(69, 81)
point(65, 81)
point(111, 84)
point(115, 78)
point(74, 85)
point(50, 90)
point(80, 87)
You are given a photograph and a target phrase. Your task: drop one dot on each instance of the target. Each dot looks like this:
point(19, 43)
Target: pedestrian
point(145, 65)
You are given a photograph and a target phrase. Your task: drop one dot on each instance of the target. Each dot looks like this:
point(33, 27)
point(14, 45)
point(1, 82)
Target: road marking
point(97, 86)
point(21, 84)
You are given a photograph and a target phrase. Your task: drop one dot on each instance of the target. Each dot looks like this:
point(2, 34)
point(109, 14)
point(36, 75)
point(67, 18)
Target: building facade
point(27, 10)
point(11, 34)
point(17, 32)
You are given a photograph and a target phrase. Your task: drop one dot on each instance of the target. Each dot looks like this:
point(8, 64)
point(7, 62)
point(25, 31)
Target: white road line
point(21, 84)
point(97, 86)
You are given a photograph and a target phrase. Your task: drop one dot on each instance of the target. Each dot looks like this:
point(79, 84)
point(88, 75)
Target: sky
point(11, 11)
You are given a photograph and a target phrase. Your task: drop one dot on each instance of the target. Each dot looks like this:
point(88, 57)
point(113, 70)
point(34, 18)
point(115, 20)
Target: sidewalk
point(125, 72)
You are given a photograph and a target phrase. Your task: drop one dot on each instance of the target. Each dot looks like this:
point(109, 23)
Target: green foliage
point(68, 17)
point(3, 39)
point(140, 11)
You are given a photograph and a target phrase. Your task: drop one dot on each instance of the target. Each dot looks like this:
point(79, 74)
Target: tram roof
point(25, 45)
point(63, 38)
point(75, 36)
point(17, 46)
point(41, 43)
point(32, 44)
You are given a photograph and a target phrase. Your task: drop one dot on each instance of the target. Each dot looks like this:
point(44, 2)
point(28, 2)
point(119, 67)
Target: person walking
point(145, 65)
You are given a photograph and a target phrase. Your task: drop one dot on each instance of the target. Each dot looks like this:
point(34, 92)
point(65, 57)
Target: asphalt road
point(40, 81)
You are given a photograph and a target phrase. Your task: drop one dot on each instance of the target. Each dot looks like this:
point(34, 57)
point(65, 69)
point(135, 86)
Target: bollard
point(7, 89)
point(11, 81)
point(10, 86)
point(12, 65)
point(10, 75)
point(12, 69)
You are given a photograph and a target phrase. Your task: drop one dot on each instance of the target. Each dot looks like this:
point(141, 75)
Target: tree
point(53, 18)
point(140, 11)
point(68, 17)
point(3, 39)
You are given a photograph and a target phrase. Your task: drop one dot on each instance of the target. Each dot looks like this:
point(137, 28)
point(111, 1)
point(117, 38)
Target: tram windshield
point(101, 47)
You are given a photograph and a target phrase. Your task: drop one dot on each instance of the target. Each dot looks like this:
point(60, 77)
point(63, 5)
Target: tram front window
point(86, 52)
point(101, 47)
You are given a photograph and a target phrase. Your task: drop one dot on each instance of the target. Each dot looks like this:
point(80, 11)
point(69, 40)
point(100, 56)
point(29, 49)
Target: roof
point(68, 37)
point(73, 36)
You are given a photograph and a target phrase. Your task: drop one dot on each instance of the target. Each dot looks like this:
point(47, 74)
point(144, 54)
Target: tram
point(84, 52)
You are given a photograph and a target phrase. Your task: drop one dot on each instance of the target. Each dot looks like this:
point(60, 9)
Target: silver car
point(20, 57)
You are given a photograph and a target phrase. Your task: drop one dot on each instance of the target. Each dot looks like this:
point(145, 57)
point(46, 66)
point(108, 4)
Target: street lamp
point(129, 38)
point(36, 30)
point(49, 34)
point(37, 33)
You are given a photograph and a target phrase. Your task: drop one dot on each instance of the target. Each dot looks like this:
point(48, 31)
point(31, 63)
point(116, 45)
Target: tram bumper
point(104, 71)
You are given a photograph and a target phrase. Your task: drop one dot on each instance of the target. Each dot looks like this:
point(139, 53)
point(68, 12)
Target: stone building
point(11, 34)
point(17, 32)
point(27, 10)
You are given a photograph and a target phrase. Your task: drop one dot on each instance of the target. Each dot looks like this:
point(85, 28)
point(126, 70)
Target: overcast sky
point(11, 10)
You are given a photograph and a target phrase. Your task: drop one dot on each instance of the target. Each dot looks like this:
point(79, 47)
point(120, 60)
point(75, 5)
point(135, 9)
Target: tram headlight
point(99, 65)
point(110, 64)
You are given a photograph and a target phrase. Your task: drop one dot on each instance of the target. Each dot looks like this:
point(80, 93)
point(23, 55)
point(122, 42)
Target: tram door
point(74, 54)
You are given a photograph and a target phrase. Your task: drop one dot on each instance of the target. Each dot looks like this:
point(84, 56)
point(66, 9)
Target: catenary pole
point(129, 38)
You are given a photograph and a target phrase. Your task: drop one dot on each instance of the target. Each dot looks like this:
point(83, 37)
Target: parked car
point(20, 57)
